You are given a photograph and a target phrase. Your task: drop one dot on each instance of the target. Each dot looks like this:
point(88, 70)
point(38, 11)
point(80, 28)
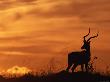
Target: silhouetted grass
point(62, 76)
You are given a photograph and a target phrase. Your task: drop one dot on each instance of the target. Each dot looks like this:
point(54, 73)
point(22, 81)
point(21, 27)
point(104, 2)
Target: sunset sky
point(32, 32)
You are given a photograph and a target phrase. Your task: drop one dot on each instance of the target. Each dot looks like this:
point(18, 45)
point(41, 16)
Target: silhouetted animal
point(80, 58)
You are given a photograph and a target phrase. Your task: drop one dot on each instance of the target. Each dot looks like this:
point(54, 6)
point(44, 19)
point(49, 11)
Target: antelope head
point(86, 44)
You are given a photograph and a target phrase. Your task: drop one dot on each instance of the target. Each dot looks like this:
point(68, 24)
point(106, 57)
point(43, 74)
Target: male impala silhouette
point(81, 58)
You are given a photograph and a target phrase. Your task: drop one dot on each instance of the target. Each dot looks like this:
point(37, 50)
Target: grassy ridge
point(62, 76)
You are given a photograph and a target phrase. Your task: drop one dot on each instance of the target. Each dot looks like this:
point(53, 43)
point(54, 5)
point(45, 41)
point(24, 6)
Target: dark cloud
point(6, 4)
point(17, 38)
point(38, 48)
point(59, 10)
point(90, 11)
point(17, 16)
point(27, 1)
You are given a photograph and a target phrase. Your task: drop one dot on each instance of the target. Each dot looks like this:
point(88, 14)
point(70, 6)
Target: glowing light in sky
point(16, 70)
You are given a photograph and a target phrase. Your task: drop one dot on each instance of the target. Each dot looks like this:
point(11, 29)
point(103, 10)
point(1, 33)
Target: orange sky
point(34, 31)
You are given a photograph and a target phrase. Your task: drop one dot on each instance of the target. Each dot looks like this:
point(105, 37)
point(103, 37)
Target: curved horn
point(92, 37)
point(87, 34)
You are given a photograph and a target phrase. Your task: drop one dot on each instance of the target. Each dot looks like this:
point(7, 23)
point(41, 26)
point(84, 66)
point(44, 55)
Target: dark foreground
point(60, 77)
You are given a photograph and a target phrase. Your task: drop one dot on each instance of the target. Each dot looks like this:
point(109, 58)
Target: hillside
point(60, 77)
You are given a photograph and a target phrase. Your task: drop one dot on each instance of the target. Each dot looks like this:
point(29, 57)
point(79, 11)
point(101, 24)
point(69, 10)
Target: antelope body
point(80, 58)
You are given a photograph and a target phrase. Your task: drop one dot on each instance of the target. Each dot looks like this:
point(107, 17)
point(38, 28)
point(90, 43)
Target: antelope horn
point(92, 37)
point(87, 34)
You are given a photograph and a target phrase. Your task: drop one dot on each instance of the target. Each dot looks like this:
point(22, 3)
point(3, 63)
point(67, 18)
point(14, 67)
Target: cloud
point(94, 13)
point(7, 4)
point(13, 38)
point(41, 47)
point(27, 1)
point(53, 9)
